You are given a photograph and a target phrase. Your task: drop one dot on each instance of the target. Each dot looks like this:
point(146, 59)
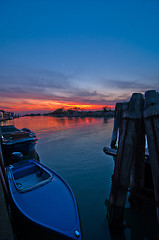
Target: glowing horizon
point(39, 106)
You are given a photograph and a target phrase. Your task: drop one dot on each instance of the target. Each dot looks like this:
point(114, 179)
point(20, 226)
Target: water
point(74, 149)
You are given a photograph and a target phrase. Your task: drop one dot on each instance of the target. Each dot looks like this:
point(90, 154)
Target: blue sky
point(57, 53)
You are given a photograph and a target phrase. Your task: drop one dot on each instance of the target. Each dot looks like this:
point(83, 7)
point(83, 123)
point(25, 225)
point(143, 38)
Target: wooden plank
point(113, 151)
point(110, 151)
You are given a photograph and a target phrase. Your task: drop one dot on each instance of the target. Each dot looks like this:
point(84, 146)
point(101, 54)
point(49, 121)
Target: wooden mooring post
point(117, 122)
point(131, 128)
point(151, 119)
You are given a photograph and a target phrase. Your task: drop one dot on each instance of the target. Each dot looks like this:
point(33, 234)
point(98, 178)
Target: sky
point(76, 53)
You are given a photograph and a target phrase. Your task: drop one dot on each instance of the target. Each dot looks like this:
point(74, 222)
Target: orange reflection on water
point(42, 124)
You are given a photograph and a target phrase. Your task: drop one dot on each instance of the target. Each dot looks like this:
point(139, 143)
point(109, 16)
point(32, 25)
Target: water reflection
point(105, 120)
point(44, 123)
point(142, 222)
point(139, 223)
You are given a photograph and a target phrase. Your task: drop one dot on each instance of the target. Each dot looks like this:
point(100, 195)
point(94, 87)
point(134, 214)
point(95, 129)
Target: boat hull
point(17, 140)
point(48, 211)
point(25, 147)
point(26, 229)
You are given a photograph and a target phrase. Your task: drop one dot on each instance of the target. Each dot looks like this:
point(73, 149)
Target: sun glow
point(40, 106)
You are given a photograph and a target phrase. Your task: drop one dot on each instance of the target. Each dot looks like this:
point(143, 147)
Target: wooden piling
point(151, 119)
point(129, 130)
point(138, 166)
point(119, 109)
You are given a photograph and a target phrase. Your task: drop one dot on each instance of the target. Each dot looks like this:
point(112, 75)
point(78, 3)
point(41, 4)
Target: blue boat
point(17, 140)
point(43, 198)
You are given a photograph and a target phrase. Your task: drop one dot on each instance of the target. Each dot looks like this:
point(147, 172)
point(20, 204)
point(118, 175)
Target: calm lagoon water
point(74, 149)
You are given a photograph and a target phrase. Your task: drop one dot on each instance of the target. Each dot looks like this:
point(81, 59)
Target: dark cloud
point(37, 79)
point(136, 85)
point(48, 79)
point(57, 86)
point(45, 85)
point(83, 93)
point(6, 108)
point(41, 84)
point(52, 91)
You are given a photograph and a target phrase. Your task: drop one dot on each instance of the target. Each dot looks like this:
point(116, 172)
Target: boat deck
point(29, 181)
point(29, 177)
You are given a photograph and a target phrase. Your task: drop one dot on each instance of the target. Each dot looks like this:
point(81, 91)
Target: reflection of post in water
point(139, 223)
point(117, 234)
point(105, 119)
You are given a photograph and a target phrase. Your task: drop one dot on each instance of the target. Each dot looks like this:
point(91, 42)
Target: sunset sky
point(85, 53)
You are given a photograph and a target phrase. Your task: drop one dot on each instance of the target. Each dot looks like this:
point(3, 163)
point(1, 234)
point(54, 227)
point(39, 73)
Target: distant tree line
point(78, 112)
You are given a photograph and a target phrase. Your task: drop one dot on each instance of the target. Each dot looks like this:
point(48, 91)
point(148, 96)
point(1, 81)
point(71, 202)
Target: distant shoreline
point(78, 114)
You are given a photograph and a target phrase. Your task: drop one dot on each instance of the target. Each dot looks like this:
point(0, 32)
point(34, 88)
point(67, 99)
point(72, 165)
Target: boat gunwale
point(11, 142)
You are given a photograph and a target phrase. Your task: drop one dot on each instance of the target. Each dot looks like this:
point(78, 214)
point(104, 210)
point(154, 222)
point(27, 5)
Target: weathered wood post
point(117, 121)
point(119, 109)
point(137, 174)
point(125, 157)
point(151, 119)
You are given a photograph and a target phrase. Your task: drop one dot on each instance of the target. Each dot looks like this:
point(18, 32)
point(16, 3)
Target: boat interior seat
point(30, 177)
point(27, 170)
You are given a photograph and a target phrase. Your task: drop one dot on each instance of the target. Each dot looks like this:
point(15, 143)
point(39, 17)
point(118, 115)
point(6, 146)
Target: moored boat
point(44, 200)
point(17, 140)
